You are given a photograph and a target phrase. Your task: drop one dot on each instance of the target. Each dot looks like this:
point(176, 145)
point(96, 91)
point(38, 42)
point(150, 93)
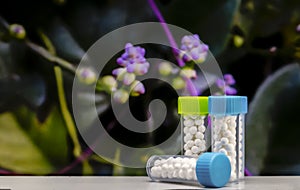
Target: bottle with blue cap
point(227, 114)
point(210, 169)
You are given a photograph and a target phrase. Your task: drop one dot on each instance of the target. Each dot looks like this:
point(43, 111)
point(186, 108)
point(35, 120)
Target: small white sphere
point(188, 123)
point(202, 147)
point(190, 174)
point(177, 165)
point(186, 147)
point(165, 166)
point(194, 116)
point(229, 147)
point(175, 174)
point(199, 122)
point(186, 117)
point(164, 174)
point(193, 130)
point(198, 142)
point(157, 162)
point(190, 143)
point(224, 140)
point(186, 130)
point(195, 150)
point(188, 153)
point(224, 127)
point(199, 135)
point(222, 150)
point(218, 145)
point(187, 137)
point(181, 173)
point(201, 128)
point(185, 166)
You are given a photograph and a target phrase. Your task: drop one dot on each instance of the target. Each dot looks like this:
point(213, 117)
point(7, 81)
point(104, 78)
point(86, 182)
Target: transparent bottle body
point(228, 138)
point(195, 134)
point(167, 168)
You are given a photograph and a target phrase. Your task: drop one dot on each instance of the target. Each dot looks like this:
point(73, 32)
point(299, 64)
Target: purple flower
point(133, 59)
point(193, 49)
point(226, 84)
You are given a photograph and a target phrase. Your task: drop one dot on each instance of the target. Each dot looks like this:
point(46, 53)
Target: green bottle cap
point(193, 105)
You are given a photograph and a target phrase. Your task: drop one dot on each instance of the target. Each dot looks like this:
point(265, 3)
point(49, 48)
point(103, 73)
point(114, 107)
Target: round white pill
point(193, 130)
point(199, 122)
point(198, 142)
point(201, 128)
point(202, 147)
point(194, 116)
point(186, 147)
point(186, 130)
point(199, 135)
point(222, 150)
point(181, 173)
point(164, 174)
point(177, 165)
point(190, 174)
point(186, 117)
point(175, 173)
point(187, 137)
point(188, 153)
point(195, 150)
point(190, 143)
point(188, 123)
point(157, 162)
point(224, 140)
point(165, 166)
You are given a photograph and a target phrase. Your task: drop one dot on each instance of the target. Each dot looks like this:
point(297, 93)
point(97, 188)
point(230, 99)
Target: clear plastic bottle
point(227, 114)
point(194, 131)
point(210, 169)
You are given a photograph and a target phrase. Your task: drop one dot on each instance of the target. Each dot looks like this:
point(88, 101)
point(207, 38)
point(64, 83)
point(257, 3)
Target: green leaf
point(212, 20)
point(272, 126)
point(30, 147)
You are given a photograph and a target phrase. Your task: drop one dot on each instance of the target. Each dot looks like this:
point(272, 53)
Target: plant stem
point(50, 57)
point(166, 29)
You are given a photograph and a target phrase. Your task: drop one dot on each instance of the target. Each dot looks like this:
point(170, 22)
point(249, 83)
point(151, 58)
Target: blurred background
point(256, 41)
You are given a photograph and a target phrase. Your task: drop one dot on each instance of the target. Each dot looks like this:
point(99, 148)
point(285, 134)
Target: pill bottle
point(227, 114)
point(209, 169)
point(194, 132)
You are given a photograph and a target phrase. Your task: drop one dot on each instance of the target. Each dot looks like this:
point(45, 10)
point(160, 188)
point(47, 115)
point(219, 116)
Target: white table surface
point(136, 183)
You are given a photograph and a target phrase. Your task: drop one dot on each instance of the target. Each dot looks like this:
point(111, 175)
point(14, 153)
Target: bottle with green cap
point(210, 169)
point(195, 134)
point(227, 114)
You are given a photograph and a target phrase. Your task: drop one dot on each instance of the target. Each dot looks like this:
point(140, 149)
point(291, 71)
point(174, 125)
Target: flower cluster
point(226, 84)
point(133, 64)
point(192, 49)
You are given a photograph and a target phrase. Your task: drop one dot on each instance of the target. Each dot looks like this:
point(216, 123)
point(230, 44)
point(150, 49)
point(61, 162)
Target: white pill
point(186, 147)
point(185, 166)
point(224, 127)
point(175, 173)
point(229, 147)
point(181, 173)
point(199, 122)
point(198, 142)
point(178, 160)
point(218, 145)
point(224, 140)
point(202, 147)
point(188, 123)
point(195, 150)
point(185, 160)
point(186, 117)
point(202, 128)
point(157, 162)
point(222, 150)
point(193, 130)
point(188, 153)
point(190, 174)
point(199, 135)
point(187, 137)
point(165, 166)
point(177, 165)
point(170, 160)
point(194, 116)
point(186, 130)
point(190, 143)
point(164, 174)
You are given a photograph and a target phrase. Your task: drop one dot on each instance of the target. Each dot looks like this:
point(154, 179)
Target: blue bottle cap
point(213, 169)
point(227, 105)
